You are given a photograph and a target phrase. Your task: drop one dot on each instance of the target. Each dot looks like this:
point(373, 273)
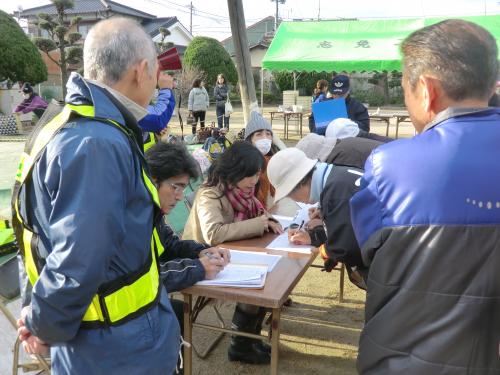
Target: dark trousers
point(178, 307)
point(221, 111)
point(201, 116)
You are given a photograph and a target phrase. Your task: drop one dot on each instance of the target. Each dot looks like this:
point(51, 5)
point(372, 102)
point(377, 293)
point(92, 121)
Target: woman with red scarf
point(226, 209)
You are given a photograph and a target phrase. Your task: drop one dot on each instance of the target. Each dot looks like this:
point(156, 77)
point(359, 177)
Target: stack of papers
point(255, 258)
point(281, 243)
point(239, 276)
point(247, 269)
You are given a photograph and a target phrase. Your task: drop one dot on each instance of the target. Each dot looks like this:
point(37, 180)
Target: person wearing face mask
point(258, 132)
point(306, 180)
point(32, 102)
point(226, 209)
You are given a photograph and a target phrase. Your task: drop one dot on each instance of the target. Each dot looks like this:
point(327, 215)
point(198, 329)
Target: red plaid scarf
point(245, 205)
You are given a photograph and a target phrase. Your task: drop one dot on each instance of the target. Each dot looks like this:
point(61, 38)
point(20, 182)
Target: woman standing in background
point(221, 92)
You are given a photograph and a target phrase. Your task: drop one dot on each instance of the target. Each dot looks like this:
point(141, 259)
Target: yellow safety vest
point(125, 300)
point(150, 141)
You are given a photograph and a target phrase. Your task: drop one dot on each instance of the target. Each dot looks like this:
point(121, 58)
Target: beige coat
point(211, 220)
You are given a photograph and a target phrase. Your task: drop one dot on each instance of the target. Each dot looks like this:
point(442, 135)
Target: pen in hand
point(300, 226)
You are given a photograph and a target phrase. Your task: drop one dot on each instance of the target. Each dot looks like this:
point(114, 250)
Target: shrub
point(20, 60)
point(209, 56)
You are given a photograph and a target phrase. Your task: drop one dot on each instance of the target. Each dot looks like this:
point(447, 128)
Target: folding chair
point(202, 302)
point(9, 291)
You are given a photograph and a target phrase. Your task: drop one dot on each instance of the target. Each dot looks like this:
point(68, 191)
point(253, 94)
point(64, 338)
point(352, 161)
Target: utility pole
point(243, 62)
point(319, 10)
point(277, 13)
point(276, 17)
point(191, 18)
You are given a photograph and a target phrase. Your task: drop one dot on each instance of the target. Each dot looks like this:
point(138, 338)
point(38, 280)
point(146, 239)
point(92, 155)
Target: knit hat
point(286, 169)
point(27, 89)
point(316, 146)
point(342, 128)
point(256, 123)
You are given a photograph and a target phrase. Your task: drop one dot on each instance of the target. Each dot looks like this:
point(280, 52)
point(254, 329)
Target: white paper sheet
point(239, 276)
point(255, 258)
point(281, 243)
point(302, 215)
point(285, 221)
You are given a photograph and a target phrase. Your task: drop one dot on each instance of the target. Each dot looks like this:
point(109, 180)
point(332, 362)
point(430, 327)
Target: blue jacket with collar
point(94, 217)
point(160, 113)
point(427, 220)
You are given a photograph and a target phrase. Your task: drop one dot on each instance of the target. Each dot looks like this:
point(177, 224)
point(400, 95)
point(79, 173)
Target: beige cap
point(286, 169)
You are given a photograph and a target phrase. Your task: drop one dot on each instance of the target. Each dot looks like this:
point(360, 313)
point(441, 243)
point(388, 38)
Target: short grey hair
point(113, 46)
point(461, 54)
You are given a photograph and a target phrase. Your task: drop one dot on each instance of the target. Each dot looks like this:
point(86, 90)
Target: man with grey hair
point(83, 214)
point(427, 217)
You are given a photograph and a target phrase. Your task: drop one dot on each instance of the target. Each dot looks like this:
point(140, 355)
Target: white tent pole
point(294, 81)
point(262, 90)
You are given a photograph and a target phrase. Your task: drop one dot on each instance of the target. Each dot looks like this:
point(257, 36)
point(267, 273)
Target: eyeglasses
point(178, 188)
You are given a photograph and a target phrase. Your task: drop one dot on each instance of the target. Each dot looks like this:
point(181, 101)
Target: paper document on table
point(255, 258)
point(281, 243)
point(302, 215)
point(285, 221)
point(239, 276)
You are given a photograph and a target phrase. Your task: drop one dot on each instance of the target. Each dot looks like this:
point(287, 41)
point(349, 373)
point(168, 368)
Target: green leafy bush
point(48, 94)
point(306, 81)
point(371, 97)
point(209, 56)
point(20, 60)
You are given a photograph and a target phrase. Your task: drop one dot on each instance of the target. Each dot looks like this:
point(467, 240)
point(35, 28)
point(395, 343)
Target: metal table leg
point(341, 291)
point(188, 334)
point(275, 339)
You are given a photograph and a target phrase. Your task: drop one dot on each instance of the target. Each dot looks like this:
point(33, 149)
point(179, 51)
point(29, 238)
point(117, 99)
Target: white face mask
point(264, 145)
point(26, 96)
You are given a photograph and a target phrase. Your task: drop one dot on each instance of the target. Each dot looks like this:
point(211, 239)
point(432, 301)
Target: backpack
point(215, 146)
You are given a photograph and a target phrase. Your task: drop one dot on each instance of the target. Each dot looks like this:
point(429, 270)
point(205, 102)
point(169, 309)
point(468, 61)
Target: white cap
point(286, 169)
point(316, 146)
point(342, 128)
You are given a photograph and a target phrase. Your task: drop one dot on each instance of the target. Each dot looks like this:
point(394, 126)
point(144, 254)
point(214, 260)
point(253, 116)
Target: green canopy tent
point(368, 45)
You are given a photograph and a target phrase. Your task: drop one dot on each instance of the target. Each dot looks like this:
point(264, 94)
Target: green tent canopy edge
point(366, 45)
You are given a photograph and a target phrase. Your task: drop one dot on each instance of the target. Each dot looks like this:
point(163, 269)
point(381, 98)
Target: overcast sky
point(211, 16)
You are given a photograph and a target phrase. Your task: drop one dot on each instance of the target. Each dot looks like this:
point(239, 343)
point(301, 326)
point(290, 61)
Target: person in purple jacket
point(32, 102)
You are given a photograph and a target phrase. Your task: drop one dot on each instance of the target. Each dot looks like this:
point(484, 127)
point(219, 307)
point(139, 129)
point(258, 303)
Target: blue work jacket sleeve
point(160, 113)
point(87, 182)
point(174, 246)
point(178, 274)
point(367, 209)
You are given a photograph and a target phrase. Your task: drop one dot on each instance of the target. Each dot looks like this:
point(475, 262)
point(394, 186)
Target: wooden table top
point(279, 283)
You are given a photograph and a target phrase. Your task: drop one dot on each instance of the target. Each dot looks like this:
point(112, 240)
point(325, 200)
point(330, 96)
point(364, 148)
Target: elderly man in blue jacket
point(427, 217)
point(84, 214)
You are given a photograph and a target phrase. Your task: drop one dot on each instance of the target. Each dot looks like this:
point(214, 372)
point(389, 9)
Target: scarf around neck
point(245, 205)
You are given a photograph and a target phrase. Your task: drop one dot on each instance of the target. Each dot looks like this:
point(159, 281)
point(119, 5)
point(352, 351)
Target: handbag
point(228, 108)
point(190, 120)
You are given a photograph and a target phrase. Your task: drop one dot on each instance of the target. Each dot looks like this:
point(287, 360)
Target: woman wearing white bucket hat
point(302, 179)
